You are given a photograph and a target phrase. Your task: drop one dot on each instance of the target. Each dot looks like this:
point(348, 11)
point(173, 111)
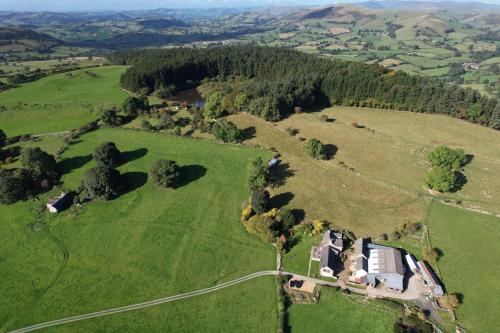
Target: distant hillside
point(339, 13)
point(162, 23)
point(15, 39)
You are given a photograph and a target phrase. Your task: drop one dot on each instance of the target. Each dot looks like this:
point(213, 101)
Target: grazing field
point(375, 180)
point(468, 241)
point(61, 102)
point(336, 313)
point(326, 189)
point(149, 243)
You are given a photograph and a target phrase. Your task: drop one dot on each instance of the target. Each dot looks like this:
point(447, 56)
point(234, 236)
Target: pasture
point(336, 313)
point(467, 269)
point(61, 102)
point(146, 244)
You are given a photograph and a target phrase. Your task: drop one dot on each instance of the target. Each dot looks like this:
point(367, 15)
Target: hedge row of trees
point(279, 79)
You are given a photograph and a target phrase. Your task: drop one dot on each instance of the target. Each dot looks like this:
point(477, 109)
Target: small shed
point(59, 203)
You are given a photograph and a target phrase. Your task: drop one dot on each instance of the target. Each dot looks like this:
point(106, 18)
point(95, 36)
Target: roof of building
point(327, 257)
point(411, 262)
point(385, 260)
point(428, 275)
point(359, 247)
point(60, 202)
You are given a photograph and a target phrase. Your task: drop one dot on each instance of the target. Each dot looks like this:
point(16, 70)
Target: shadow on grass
point(330, 150)
point(248, 133)
point(69, 164)
point(299, 215)
point(461, 181)
point(189, 173)
point(281, 200)
point(280, 173)
point(133, 180)
point(129, 156)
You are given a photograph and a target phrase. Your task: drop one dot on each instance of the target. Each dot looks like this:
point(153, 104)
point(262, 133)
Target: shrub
point(11, 189)
point(102, 183)
point(315, 149)
point(177, 131)
point(441, 179)
point(286, 218)
point(259, 200)
point(258, 176)
point(166, 121)
point(164, 173)
point(226, 131)
point(395, 235)
point(131, 105)
point(297, 110)
point(213, 106)
point(261, 226)
point(450, 302)
point(292, 131)
point(39, 164)
point(442, 156)
point(107, 155)
point(146, 125)
point(430, 254)
point(110, 118)
point(324, 118)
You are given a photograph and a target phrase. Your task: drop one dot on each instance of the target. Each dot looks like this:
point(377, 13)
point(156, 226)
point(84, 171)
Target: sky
point(80, 5)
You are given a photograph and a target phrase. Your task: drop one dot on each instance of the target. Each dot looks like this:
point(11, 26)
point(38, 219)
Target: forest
point(279, 80)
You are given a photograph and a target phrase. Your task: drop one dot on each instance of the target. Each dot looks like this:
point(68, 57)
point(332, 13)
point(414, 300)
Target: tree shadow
point(129, 156)
point(248, 133)
point(280, 173)
point(468, 159)
point(188, 174)
point(460, 297)
point(299, 215)
point(69, 164)
point(461, 181)
point(330, 150)
point(281, 200)
point(439, 252)
point(133, 180)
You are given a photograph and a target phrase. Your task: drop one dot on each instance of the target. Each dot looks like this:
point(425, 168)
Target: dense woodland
point(279, 80)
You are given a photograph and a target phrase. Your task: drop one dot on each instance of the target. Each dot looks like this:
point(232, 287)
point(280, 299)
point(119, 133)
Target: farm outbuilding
point(59, 203)
point(378, 264)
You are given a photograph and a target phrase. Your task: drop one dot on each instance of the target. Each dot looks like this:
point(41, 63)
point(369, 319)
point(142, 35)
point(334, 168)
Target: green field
point(146, 244)
point(469, 242)
point(336, 313)
point(60, 102)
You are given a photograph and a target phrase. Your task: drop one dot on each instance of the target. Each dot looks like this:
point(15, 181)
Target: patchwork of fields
point(152, 243)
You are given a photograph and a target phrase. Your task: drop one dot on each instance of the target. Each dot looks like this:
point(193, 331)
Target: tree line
point(277, 80)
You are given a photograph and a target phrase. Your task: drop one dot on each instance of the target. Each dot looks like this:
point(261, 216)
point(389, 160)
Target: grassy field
point(336, 313)
point(148, 243)
point(468, 242)
point(60, 102)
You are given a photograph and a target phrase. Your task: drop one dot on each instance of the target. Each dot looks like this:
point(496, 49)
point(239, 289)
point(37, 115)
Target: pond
point(192, 96)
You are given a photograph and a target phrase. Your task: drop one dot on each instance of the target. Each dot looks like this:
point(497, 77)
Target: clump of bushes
point(164, 173)
point(38, 172)
point(226, 131)
point(315, 149)
point(445, 175)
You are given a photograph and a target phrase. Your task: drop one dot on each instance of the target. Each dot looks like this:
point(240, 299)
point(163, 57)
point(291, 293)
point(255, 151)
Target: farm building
point(378, 264)
point(59, 203)
point(430, 279)
point(328, 252)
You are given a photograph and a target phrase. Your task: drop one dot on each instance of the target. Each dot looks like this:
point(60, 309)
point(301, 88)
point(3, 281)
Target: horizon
point(130, 5)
